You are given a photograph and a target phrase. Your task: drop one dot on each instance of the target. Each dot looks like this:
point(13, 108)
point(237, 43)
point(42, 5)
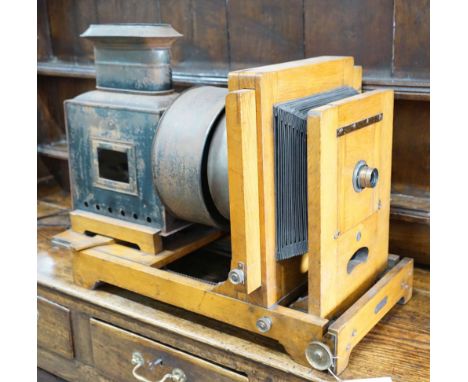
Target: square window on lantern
point(113, 166)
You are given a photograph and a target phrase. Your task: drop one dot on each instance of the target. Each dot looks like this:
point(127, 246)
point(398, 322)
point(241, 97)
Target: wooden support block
point(78, 241)
point(146, 238)
point(184, 242)
point(175, 247)
point(364, 314)
point(243, 185)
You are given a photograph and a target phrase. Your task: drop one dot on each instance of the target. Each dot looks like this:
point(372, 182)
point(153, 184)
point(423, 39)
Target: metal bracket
point(358, 125)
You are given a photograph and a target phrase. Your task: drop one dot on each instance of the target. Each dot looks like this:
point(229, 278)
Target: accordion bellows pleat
point(290, 134)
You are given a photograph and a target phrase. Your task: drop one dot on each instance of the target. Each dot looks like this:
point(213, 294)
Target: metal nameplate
point(358, 125)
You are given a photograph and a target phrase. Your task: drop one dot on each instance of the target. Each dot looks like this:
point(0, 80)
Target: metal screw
point(358, 236)
point(336, 235)
point(155, 363)
point(379, 205)
point(348, 347)
point(354, 333)
point(236, 276)
point(263, 324)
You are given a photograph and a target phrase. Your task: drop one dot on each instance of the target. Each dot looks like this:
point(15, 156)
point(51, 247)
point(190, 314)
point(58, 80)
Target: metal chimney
point(133, 57)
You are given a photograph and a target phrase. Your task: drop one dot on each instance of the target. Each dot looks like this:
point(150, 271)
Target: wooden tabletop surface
point(397, 347)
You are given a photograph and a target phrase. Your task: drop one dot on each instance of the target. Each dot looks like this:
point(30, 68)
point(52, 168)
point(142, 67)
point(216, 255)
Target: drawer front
point(54, 331)
point(113, 349)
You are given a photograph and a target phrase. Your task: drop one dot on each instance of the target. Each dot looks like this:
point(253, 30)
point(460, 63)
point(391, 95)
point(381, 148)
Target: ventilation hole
point(110, 210)
point(122, 212)
point(148, 219)
point(359, 257)
point(135, 216)
point(97, 207)
point(86, 204)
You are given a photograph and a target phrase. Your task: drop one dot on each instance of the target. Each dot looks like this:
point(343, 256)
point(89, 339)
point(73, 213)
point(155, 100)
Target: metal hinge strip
point(358, 125)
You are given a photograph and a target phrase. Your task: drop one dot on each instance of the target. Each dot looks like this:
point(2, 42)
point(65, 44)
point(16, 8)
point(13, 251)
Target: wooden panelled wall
point(389, 38)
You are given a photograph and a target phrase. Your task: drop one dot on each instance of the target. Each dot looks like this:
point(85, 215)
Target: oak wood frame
point(342, 220)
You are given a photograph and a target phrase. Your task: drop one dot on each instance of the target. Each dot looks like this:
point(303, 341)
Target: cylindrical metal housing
point(181, 155)
point(367, 177)
point(218, 169)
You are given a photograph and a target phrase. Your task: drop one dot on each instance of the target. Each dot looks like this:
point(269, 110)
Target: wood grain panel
point(265, 32)
point(113, 349)
point(247, 33)
point(85, 15)
point(332, 200)
point(412, 38)
point(68, 19)
point(127, 11)
point(62, 28)
point(359, 28)
point(410, 239)
point(51, 94)
point(54, 328)
point(410, 167)
point(44, 49)
point(204, 46)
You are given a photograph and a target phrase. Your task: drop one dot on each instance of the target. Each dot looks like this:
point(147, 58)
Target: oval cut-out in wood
point(359, 257)
point(380, 305)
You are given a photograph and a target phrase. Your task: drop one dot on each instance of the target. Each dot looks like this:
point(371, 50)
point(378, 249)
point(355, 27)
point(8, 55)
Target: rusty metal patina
point(133, 57)
point(181, 151)
point(111, 130)
point(139, 151)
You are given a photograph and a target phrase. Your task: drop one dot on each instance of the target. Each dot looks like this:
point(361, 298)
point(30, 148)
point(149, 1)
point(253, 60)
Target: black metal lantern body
point(111, 129)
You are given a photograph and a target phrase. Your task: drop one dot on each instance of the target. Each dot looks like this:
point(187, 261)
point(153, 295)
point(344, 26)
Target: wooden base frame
point(130, 269)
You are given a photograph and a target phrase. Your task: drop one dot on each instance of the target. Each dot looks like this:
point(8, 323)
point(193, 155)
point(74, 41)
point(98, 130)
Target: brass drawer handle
point(176, 375)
